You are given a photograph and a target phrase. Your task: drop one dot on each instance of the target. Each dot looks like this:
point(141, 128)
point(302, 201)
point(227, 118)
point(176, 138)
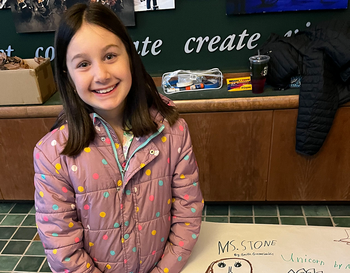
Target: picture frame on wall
point(124, 9)
point(45, 15)
point(151, 5)
point(37, 15)
point(264, 6)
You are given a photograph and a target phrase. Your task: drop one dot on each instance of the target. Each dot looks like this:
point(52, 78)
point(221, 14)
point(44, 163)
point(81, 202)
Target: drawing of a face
point(230, 265)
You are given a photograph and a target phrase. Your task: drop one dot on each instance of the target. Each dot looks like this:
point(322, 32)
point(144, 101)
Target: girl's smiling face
point(99, 67)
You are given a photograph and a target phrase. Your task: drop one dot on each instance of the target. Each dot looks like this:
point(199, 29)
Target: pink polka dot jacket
point(101, 212)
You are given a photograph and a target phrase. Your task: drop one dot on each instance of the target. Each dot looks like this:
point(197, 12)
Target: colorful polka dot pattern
point(103, 214)
point(153, 198)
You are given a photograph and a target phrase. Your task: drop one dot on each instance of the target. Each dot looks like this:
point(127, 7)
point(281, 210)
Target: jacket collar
point(155, 115)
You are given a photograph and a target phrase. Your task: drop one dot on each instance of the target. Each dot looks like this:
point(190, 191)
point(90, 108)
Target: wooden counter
point(245, 148)
point(184, 106)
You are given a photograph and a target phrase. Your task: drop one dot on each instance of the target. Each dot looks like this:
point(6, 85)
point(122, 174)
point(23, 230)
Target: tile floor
point(22, 251)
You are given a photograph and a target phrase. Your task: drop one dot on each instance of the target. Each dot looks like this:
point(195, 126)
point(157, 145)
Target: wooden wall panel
point(324, 176)
point(232, 151)
point(17, 141)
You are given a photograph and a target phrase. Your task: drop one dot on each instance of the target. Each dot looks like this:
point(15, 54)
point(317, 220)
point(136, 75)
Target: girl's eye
point(110, 56)
point(83, 64)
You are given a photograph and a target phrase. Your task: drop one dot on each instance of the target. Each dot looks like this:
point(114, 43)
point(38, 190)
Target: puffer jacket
point(321, 55)
point(141, 216)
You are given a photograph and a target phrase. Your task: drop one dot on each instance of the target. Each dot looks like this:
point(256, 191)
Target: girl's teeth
point(104, 90)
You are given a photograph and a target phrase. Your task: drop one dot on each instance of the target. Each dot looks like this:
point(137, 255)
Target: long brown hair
point(143, 93)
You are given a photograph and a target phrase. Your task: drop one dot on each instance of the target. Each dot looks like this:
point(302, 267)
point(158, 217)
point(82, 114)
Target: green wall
point(190, 19)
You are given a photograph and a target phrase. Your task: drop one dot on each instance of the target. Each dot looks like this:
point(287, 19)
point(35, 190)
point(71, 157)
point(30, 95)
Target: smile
point(105, 91)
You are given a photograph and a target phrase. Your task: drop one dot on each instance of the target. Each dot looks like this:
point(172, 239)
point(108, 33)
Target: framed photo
point(148, 5)
point(45, 15)
point(263, 6)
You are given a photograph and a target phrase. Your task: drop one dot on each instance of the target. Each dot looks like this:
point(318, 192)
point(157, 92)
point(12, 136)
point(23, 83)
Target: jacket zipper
point(144, 144)
point(121, 169)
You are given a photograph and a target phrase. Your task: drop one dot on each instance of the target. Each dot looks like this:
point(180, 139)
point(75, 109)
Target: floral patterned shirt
point(127, 139)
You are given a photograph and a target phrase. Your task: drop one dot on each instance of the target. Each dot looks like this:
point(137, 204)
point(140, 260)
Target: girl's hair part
point(143, 93)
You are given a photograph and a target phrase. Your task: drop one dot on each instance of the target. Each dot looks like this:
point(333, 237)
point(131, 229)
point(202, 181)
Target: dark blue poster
point(262, 6)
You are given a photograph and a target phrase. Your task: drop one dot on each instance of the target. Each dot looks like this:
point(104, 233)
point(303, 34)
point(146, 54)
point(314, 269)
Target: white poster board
point(246, 248)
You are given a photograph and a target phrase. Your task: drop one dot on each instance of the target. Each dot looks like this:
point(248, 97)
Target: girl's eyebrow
point(82, 55)
point(109, 46)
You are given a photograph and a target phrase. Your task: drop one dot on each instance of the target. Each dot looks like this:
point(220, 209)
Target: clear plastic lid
point(259, 59)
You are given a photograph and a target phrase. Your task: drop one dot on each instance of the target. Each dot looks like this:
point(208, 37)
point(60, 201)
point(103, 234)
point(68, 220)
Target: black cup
point(258, 72)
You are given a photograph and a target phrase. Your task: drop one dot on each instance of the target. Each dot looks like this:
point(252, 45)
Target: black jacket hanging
point(321, 55)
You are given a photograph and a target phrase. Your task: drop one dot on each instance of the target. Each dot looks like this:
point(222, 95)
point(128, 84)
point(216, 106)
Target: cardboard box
point(239, 84)
point(27, 86)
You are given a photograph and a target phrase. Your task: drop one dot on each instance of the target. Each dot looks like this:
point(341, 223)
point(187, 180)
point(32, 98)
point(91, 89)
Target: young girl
point(116, 180)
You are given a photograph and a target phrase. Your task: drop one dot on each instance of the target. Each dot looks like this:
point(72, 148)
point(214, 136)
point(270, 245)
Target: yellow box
point(239, 84)
point(27, 86)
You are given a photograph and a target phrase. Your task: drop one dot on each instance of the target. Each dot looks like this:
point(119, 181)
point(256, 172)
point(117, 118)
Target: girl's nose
point(101, 73)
